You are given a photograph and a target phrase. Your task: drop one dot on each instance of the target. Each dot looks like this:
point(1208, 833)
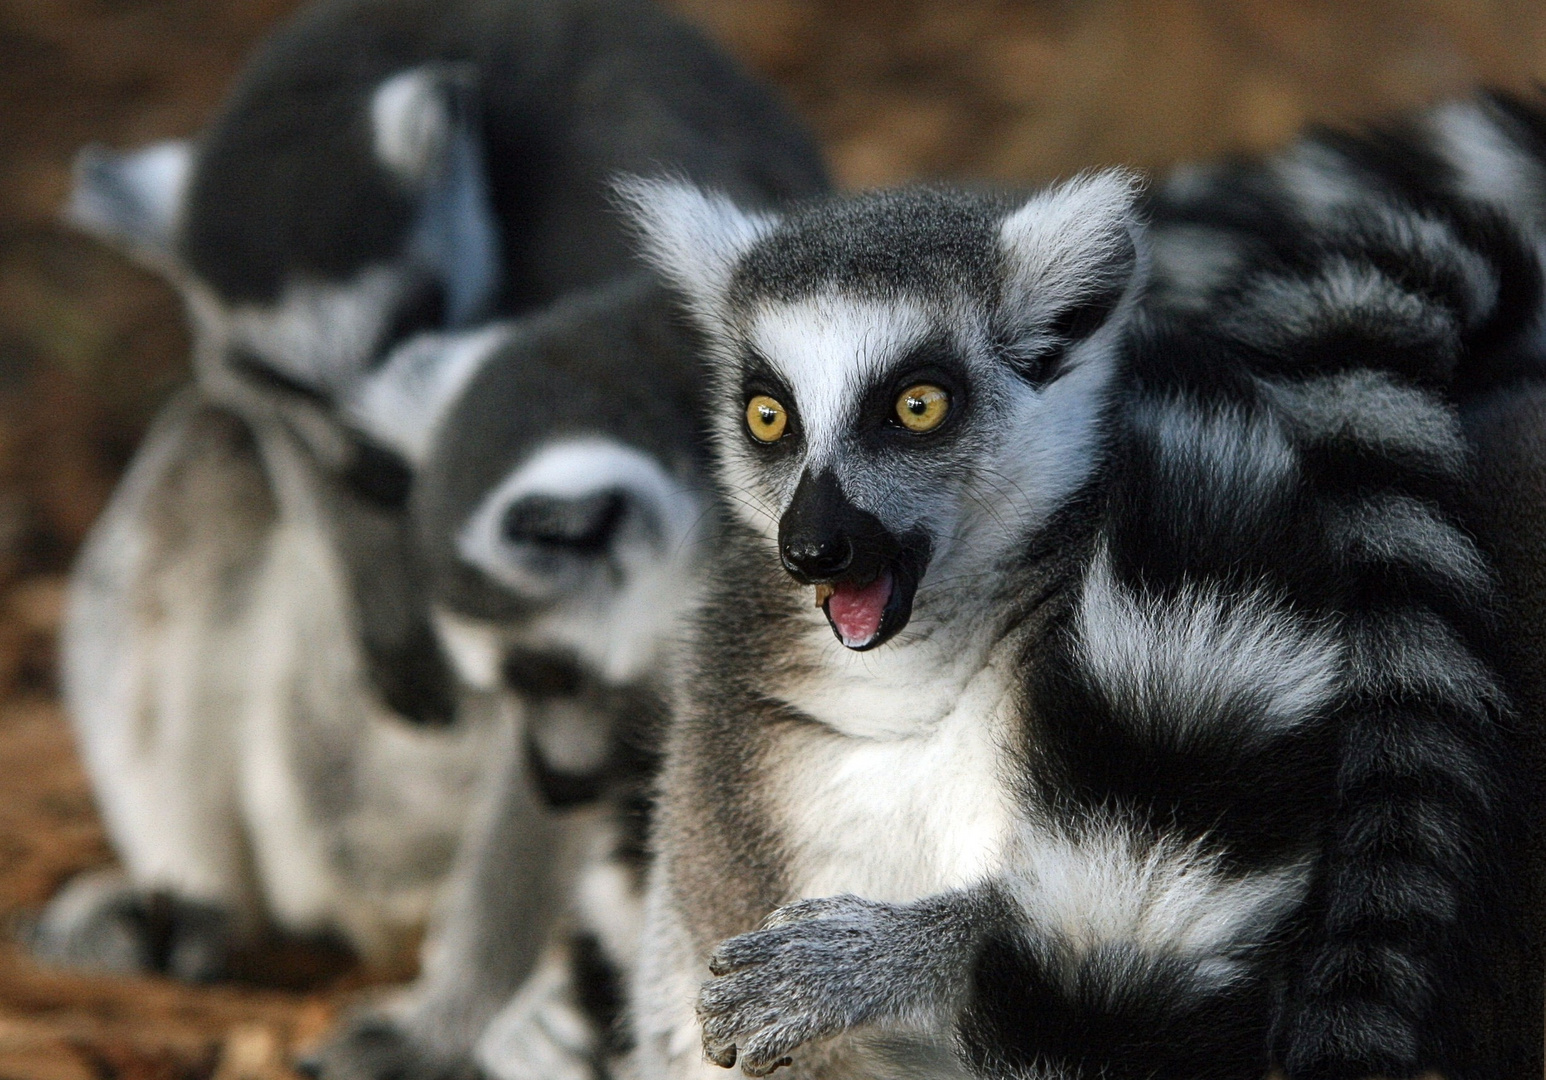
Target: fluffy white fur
point(207, 729)
point(898, 816)
point(1342, 291)
point(319, 333)
point(138, 690)
point(1110, 885)
point(1317, 179)
point(1372, 408)
point(692, 237)
point(1204, 658)
point(1063, 241)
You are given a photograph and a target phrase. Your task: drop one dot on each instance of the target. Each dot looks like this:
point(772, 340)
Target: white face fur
point(1012, 446)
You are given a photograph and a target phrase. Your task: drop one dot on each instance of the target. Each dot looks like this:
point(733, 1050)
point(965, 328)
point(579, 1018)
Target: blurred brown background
point(1005, 89)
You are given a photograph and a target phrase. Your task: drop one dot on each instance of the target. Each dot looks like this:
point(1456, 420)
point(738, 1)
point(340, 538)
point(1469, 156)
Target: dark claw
point(771, 1068)
point(725, 1059)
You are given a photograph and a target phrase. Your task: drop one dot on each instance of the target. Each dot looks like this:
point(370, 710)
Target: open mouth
point(868, 614)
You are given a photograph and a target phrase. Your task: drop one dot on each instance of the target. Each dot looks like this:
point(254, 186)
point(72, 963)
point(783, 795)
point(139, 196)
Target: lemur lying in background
point(1154, 716)
point(266, 650)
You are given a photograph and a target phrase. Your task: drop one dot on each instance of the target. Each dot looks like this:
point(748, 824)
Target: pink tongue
point(856, 610)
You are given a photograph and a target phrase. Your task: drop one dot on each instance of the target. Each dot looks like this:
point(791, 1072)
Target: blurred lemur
point(305, 641)
point(558, 511)
point(1099, 686)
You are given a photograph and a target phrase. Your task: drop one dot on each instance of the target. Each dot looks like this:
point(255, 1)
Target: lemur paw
point(815, 968)
point(375, 1047)
point(100, 922)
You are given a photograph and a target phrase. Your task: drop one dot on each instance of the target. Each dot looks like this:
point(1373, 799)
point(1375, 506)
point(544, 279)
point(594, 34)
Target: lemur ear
point(425, 131)
point(413, 120)
point(400, 405)
point(1073, 252)
point(133, 201)
point(693, 237)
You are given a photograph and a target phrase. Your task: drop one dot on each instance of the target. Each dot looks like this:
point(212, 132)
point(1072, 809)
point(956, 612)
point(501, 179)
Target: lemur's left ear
point(425, 131)
point(693, 237)
point(414, 116)
point(133, 201)
point(1074, 251)
point(401, 404)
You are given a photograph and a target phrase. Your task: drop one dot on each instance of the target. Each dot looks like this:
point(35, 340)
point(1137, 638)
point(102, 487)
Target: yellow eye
point(766, 419)
point(923, 407)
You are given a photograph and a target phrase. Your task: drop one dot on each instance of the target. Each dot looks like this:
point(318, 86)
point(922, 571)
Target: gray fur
point(910, 966)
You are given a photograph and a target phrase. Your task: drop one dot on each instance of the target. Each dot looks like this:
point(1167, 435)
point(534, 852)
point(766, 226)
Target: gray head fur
point(1012, 308)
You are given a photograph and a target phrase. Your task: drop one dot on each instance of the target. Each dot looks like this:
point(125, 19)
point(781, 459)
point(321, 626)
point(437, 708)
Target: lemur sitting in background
point(559, 511)
point(276, 725)
point(1152, 717)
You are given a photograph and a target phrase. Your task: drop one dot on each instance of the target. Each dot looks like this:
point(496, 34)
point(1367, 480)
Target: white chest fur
point(902, 815)
point(893, 803)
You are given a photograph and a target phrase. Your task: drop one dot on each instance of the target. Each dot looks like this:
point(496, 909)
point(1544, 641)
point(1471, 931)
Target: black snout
point(583, 525)
point(823, 537)
point(818, 555)
point(826, 540)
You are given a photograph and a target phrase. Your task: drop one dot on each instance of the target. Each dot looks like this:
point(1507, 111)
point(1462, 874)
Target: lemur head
point(557, 484)
point(906, 382)
point(319, 220)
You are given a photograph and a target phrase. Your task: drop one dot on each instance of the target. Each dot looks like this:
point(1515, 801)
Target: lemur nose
point(583, 524)
point(818, 557)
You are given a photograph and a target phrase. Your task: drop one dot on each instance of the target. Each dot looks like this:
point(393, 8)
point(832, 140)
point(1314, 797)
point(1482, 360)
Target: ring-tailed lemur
point(251, 676)
point(1158, 737)
point(558, 507)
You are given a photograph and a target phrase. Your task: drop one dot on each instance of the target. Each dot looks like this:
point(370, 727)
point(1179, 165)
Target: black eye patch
point(934, 356)
point(759, 377)
point(934, 362)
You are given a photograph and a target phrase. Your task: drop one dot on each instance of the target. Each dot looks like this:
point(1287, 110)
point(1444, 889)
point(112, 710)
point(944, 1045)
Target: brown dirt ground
point(1005, 89)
